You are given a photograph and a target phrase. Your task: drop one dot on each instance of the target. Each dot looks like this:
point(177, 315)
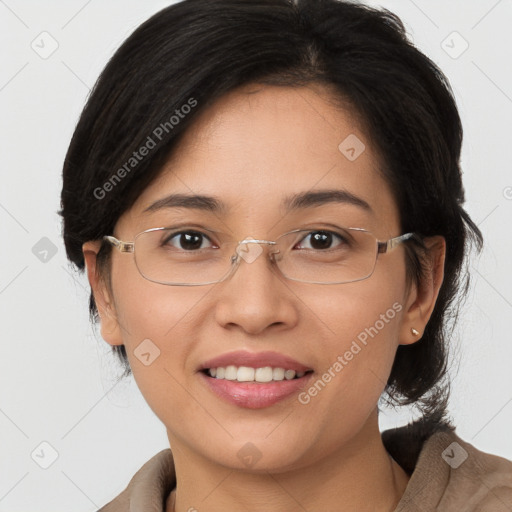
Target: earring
point(414, 331)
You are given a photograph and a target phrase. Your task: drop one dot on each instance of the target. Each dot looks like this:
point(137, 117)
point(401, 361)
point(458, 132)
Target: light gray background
point(59, 383)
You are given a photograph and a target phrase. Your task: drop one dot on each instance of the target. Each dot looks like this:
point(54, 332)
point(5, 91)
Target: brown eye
point(322, 240)
point(186, 240)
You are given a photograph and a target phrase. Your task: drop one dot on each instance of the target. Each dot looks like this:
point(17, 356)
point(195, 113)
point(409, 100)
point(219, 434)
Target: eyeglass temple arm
point(393, 242)
point(118, 244)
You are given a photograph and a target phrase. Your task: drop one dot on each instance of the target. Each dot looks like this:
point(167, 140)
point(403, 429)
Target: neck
point(361, 476)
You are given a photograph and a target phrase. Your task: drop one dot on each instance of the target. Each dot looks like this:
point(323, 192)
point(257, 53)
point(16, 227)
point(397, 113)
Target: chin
point(259, 452)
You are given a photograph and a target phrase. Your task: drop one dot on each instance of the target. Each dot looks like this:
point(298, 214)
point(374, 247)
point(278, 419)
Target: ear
point(110, 328)
point(422, 297)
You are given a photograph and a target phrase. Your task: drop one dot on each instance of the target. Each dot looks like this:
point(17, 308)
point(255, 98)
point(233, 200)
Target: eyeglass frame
point(383, 247)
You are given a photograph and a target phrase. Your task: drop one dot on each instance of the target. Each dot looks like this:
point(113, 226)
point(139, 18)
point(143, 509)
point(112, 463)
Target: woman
point(267, 198)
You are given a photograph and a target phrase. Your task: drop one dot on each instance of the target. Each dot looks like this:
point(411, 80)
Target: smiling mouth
point(262, 375)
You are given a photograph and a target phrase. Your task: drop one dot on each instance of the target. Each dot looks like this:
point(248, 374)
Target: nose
point(255, 297)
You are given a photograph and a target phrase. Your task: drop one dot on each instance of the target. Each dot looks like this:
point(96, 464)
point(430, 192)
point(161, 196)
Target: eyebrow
point(321, 197)
point(295, 202)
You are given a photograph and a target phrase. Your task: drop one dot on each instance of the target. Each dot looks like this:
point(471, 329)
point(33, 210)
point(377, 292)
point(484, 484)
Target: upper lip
point(255, 360)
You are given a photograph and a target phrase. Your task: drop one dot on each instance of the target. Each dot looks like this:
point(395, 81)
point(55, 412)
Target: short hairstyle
point(195, 51)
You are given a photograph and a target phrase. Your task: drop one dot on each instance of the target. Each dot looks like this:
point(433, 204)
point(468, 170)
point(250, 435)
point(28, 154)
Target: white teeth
point(278, 374)
point(289, 374)
point(263, 374)
point(230, 373)
point(247, 374)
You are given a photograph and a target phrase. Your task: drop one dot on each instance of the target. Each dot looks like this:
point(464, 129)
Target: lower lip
point(255, 395)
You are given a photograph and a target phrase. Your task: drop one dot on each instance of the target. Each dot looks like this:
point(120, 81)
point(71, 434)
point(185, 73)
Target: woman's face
point(252, 150)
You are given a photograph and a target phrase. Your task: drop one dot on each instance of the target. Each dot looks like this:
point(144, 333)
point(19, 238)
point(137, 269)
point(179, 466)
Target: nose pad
point(275, 255)
point(250, 249)
point(249, 252)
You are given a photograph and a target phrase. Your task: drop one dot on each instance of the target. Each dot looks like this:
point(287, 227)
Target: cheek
point(363, 323)
point(151, 310)
point(160, 327)
point(357, 361)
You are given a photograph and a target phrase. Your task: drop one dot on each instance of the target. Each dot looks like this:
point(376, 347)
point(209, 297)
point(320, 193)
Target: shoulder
point(148, 488)
point(478, 480)
point(450, 474)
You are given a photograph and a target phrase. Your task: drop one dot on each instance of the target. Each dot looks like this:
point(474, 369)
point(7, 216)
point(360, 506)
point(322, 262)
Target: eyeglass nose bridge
point(243, 251)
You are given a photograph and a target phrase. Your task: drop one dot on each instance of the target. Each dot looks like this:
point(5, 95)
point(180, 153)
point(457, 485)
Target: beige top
point(448, 475)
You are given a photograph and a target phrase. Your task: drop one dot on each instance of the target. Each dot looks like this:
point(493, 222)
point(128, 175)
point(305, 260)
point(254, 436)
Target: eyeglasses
point(187, 256)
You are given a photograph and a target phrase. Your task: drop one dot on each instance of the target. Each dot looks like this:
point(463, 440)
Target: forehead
point(259, 145)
